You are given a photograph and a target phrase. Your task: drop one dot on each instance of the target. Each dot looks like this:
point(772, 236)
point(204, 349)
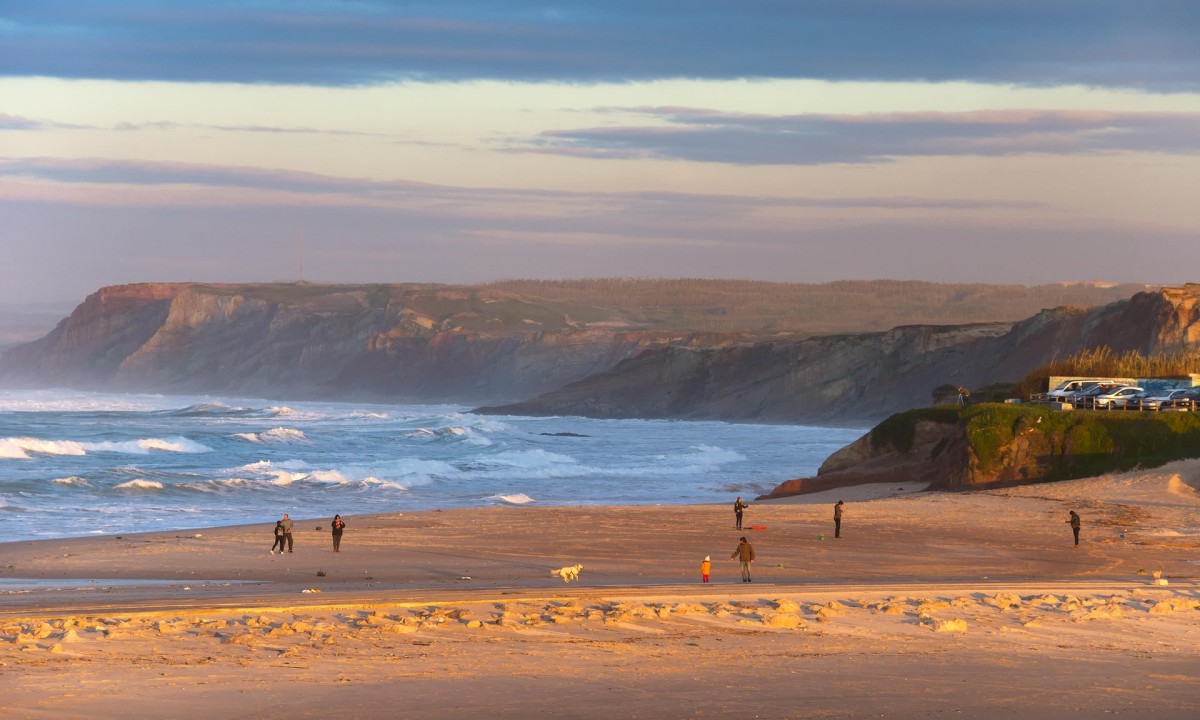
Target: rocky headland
point(737, 351)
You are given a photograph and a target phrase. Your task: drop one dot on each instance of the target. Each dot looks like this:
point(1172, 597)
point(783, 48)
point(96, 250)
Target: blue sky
point(453, 141)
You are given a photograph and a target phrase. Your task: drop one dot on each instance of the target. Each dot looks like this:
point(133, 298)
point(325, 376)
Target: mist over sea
point(75, 463)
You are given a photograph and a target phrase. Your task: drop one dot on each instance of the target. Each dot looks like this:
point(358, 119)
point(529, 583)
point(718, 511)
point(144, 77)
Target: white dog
point(568, 573)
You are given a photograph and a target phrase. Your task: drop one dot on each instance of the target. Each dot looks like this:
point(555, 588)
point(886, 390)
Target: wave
point(457, 433)
point(19, 448)
point(73, 480)
point(211, 410)
point(142, 485)
point(515, 499)
point(275, 435)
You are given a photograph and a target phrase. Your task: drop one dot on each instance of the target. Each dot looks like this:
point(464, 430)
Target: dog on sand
point(568, 573)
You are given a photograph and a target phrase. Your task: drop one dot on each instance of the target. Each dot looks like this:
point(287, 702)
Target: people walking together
point(837, 519)
point(338, 526)
point(745, 554)
point(738, 508)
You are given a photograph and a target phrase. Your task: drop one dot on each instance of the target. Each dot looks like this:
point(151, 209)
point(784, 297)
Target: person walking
point(338, 526)
point(1073, 520)
point(705, 567)
point(286, 523)
point(738, 508)
point(837, 519)
point(278, 537)
point(745, 554)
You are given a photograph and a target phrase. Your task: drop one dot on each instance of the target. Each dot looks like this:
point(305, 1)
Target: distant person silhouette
point(837, 519)
point(738, 508)
point(1073, 520)
point(338, 526)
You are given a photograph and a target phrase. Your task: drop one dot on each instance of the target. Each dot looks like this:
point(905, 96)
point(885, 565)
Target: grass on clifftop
point(1075, 444)
point(1085, 443)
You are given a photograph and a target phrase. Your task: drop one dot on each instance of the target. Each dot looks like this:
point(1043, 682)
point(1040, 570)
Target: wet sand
point(930, 605)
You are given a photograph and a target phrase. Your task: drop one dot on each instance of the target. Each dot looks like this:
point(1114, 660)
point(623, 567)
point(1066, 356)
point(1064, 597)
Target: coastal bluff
point(865, 377)
point(953, 448)
point(608, 348)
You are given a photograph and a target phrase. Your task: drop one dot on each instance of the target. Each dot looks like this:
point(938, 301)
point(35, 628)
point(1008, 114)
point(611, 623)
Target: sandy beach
point(930, 605)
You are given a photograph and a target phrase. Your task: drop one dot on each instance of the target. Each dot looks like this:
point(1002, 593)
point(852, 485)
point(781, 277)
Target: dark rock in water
point(564, 434)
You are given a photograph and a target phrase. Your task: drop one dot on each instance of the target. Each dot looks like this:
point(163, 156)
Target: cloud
point(132, 183)
point(815, 139)
point(1146, 44)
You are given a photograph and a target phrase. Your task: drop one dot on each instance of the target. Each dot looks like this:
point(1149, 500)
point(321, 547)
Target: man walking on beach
point(287, 532)
point(738, 508)
point(744, 553)
point(1074, 521)
point(837, 519)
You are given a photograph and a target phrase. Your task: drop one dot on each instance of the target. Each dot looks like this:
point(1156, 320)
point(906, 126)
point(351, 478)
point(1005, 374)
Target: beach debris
point(464, 577)
point(1158, 578)
point(820, 537)
point(320, 573)
point(198, 535)
point(956, 625)
point(310, 590)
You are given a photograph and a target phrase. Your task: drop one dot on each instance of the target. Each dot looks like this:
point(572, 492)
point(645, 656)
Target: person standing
point(745, 554)
point(286, 522)
point(338, 526)
point(705, 567)
point(738, 508)
point(278, 537)
point(837, 519)
point(1073, 520)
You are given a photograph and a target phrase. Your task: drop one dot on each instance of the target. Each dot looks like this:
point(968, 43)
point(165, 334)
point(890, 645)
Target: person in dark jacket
point(1073, 520)
point(745, 554)
point(837, 519)
point(278, 537)
point(338, 526)
point(738, 508)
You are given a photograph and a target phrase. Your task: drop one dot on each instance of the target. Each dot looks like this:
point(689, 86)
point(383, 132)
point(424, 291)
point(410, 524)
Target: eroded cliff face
point(387, 343)
point(427, 343)
point(853, 379)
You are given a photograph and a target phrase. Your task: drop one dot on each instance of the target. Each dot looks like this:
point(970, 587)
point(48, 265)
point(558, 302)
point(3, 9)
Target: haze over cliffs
point(629, 348)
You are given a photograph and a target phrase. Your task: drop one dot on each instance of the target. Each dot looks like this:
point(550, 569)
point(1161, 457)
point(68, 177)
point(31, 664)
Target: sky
point(463, 141)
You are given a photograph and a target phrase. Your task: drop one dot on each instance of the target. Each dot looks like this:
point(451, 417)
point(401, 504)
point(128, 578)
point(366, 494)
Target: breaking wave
point(142, 485)
point(19, 448)
point(276, 435)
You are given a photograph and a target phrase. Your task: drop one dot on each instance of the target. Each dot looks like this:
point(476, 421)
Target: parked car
point(1087, 398)
point(1187, 400)
point(1067, 388)
point(1157, 400)
point(1117, 397)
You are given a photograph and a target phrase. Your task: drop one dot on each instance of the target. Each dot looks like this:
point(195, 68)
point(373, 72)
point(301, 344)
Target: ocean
point(80, 463)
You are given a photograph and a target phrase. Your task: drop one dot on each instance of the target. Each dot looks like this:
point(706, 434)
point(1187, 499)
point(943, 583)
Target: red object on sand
point(758, 527)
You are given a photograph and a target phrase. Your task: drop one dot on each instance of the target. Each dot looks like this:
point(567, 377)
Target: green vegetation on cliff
point(1053, 445)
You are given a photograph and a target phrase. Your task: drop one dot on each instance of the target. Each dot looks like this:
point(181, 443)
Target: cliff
point(991, 445)
point(864, 377)
point(661, 349)
point(409, 342)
